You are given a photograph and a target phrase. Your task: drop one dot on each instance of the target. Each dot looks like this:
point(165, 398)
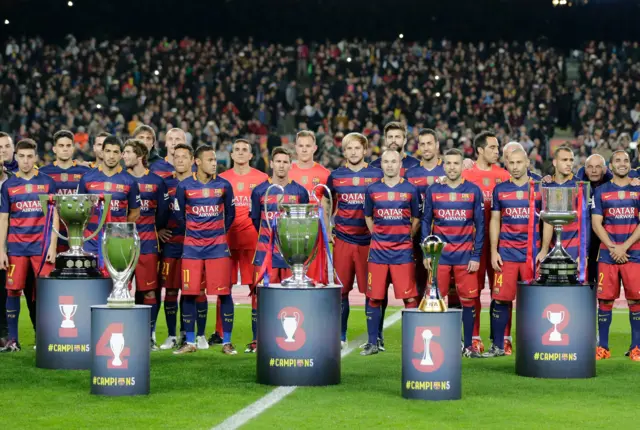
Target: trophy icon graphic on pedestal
point(427, 335)
point(555, 318)
point(68, 311)
point(117, 346)
point(290, 325)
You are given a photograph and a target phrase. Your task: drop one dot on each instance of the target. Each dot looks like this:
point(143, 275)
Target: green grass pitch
point(201, 390)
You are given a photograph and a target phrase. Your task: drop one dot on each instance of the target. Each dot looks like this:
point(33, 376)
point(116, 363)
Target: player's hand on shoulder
point(441, 180)
point(468, 163)
point(635, 182)
point(496, 262)
point(473, 266)
point(547, 179)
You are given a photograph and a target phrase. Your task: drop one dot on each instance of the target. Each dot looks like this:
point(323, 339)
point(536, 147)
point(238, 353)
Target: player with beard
point(205, 208)
point(98, 145)
point(351, 237)
point(511, 249)
point(165, 167)
point(65, 172)
point(242, 236)
point(395, 138)
point(276, 267)
point(615, 219)
point(172, 238)
point(154, 204)
point(486, 174)
point(453, 210)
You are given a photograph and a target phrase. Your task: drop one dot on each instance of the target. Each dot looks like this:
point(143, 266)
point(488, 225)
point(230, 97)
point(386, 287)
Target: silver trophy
point(297, 233)
point(427, 335)
point(120, 250)
point(559, 208)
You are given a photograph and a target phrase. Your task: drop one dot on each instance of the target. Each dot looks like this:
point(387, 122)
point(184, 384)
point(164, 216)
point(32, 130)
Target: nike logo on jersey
point(438, 197)
point(342, 182)
point(14, 191)
point(94, 185)
point(191, 194)
point(506, 195)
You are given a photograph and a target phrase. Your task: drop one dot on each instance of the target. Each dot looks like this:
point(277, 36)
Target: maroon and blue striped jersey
point(124, 196)
point(619, 206)
point(407, 163)
point(570, 232)
point(293, 193)
point(514, 205)
point(207, 212)
point(456, 215)
point(391, 209)
point(421, 178)
point(154, 204)
point(164, 169)
point(25, 236)
point(173, 247)
point(348, 189)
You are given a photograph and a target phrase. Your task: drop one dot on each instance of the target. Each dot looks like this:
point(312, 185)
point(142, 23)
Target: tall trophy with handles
point(74, 212)
point(121, 250)
point(432, 247)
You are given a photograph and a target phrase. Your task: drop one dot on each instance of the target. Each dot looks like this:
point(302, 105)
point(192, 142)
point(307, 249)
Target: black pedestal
point(120, 345)
point(298, 336)
point(63, 321)
point(431, 355)
point(556, 331)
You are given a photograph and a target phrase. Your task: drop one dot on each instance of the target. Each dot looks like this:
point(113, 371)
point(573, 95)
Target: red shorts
point(609, 276)
point(171, 273)
point(485, 268)
point(466, 283)
point(242, 259)
point(276, 275)
point(147, 272)
point(216, 276)
point(19, 267)
point(402, 276)
point(351, 264)
point(505, 283)
point(315, 266)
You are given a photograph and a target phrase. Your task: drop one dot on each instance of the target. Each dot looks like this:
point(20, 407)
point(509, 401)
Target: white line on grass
point(243, 416)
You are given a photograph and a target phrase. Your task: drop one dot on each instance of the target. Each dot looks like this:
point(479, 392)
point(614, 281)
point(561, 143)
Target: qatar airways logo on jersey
point(622, 213)
point(452, 214)
point(66, 191)
point(29, 206)
point(488, 195)
point(242, 201)
point(352, 198)
point(389, 214)
point(206, 210)
point(114, 205)
point(144, 205)
point(517, 212)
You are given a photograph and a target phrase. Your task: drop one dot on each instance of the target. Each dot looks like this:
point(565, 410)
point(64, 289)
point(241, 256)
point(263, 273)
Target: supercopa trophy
point(75, 211)
point(559, 208)
point(121, 250)
point(297, 232)
point(432, 247)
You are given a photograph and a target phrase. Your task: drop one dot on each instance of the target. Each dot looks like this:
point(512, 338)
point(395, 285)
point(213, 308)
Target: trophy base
point(294, 282)
point(76, 266)
point(432, 305)
point(120, 303)
point(558, 268)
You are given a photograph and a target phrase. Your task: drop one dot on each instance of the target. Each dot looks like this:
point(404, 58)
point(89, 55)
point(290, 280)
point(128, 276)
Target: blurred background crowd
point(218, 90)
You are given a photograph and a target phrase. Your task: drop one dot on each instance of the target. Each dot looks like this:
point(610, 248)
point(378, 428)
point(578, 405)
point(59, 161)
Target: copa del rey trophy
point(121, 250)
point(432, 247)
point(559, 208)
point(298, 230)
point(75, 211)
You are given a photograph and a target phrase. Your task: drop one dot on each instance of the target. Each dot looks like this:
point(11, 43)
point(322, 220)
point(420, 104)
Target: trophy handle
point(549, 315)
point(561, 316)
point(106, 206)
point(283, 315)
point(45, 199)
point(266, 203)
point(329, 196)
point(296, 315)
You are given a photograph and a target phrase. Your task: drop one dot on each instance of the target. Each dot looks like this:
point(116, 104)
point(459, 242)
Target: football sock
point(170, 311)
point(345, 317)
point(468, 317)
point(218, 317)
point(383, 308)
point(492, 306)
point(374, 316)
point(181, 319)
point(151, 301)
point(254, 315)
point(476, 318)
point(500, 318)
point(13, 313)
point(226, 310)
point(189, 317)
point(634, 319)
point(507, 330)
point(202, 307)
point(604, 323)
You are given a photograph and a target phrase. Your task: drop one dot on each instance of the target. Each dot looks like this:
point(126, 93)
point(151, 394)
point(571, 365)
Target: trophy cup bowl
point(116, 343)
point(298, 227)
point(121, 250)
point(555, 318)
point(75, 212)
point(559, 208)
point(432, 247)
point(68, 311)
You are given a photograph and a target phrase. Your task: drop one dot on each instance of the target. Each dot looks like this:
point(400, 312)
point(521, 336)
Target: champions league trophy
point(298, 230)
point(75, 211)
point(559, 208)
point(432, 247)
point(121, 250)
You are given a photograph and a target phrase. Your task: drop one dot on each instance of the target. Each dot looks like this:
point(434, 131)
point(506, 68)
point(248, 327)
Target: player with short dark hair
point(154, 204)
point(7, 153)
point(453, 211)
point(615, 219)
point(392, 215)
point(22, 232)
point(147, 135)
point(98, 143)
point(205, 207)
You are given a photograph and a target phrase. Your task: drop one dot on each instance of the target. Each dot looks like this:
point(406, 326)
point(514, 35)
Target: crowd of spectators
point(219, 90)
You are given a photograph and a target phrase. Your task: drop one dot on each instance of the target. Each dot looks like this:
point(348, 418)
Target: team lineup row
point(194, 223)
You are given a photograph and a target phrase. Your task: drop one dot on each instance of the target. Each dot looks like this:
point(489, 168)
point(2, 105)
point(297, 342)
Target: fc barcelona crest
point(621, 195)
point(634, 195)
point(367, 180)
point(316, 181)
point(240, 186)
point(252, 186)
point(356, 181)
point(217, 192)
point(293, 199)
point(391, 195)
point(64, 177)
point(77, 177)
point(486, 181)
point(519, 195)
point(430, 179)
point(403, 196)
point(452, 197)
point(466, 197)
point(205, 192)
point(148, 187)
point(28, 188)
point(305, 179)
point(107, 186)
point(498, 181)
